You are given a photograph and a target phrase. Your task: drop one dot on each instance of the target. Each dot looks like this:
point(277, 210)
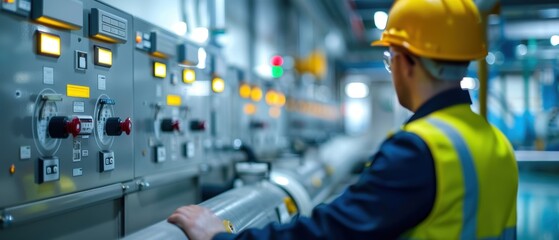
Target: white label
point(25, 5)
point(85, 153)
point(190, 149)
point(81, 62)
point(101, 82)
point(174, 78)
point(77, 151)
point(161, 154)
point(158, 91)
point(79, 107)
point(77, 172)
point(25, 152)
point(48, 75)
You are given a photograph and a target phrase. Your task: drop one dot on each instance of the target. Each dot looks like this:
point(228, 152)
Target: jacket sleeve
point(394, 194)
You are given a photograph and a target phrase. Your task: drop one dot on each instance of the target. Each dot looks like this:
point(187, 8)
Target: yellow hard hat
point(437, 29)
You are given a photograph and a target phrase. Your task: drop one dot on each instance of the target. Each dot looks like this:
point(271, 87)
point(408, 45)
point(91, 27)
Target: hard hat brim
point(380, 43)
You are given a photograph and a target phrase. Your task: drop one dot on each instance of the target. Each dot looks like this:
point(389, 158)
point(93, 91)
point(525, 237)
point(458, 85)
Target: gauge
point(103, 111)
point(45, 110)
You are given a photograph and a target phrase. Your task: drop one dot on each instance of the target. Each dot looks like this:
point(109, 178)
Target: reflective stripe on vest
point(470, 178)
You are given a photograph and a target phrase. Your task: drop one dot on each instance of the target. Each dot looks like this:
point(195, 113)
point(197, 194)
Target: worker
point(447, 174)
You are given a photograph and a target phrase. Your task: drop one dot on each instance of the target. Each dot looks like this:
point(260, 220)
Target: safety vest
point(476, 174)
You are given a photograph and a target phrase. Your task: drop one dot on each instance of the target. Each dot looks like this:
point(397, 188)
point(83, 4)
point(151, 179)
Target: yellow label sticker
point(77, 91)
point(173, 100)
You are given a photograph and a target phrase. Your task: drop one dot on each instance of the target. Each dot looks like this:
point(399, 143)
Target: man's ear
point(407, 67)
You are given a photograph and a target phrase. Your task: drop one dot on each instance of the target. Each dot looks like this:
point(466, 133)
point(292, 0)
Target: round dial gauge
point(103, 111)
point(45, 110)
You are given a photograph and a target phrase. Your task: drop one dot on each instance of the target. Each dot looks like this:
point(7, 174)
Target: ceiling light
point(380, 19)
point(356, 90)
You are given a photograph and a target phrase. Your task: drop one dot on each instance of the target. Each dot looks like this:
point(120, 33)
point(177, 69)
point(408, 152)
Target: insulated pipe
point(292, 188)
point(246, 207)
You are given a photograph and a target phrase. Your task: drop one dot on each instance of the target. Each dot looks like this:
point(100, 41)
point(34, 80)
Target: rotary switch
point(169, 125)
point(62, 127)
point(197, 125)
point(114, 126)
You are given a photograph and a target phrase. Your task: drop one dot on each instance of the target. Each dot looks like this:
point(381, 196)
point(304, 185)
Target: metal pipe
point(483, 75)
point(246, 207)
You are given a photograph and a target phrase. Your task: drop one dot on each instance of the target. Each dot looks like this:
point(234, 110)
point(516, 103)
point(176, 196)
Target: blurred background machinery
point(116, 112)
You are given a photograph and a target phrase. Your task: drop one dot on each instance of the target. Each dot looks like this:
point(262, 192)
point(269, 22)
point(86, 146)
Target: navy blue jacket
point(393, 195)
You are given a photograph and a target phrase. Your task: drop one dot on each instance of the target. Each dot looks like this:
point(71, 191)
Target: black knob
point(197, 125)
point(257, 125)
point(115, 126)
point(169, 125)
point(62, 127)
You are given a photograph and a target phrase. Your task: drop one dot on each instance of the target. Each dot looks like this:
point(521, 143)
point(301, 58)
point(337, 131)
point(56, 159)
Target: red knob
point(126, 125)
point(176, 126)
point(74, 126)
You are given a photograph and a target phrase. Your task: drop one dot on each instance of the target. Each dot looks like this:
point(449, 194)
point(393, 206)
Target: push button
point(49, 170)
point(54, 169)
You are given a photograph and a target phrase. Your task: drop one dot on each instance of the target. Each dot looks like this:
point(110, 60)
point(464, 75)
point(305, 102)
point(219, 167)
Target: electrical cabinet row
point(106, 120)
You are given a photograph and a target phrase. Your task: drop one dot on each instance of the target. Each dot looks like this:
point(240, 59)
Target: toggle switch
point(115, 126)
point(170, 125)
point(62, 127)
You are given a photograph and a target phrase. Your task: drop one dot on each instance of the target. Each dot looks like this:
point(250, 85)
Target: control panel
point(68, 91)
point(173, 108)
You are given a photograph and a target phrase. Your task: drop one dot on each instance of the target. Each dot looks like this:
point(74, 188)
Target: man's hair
point(445, 70)
point(442, 70)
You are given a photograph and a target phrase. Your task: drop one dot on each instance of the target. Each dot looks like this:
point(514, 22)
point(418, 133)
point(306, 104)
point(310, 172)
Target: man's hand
point(198, 223)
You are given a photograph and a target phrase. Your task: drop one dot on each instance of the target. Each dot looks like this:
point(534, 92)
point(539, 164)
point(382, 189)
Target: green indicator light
point(277, 71)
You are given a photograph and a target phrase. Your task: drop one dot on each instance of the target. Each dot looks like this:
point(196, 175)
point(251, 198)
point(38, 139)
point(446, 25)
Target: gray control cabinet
point(170, 128)
point(164, 111)
point(57, 105)
point(37, 88)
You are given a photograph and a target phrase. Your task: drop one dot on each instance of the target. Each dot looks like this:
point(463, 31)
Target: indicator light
point(48, 44)
point(256, 94)
point(103, 56)
point(218, 85)
point(244, 90)
point(159, 70)
point(188, 75)
point(249, 109)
